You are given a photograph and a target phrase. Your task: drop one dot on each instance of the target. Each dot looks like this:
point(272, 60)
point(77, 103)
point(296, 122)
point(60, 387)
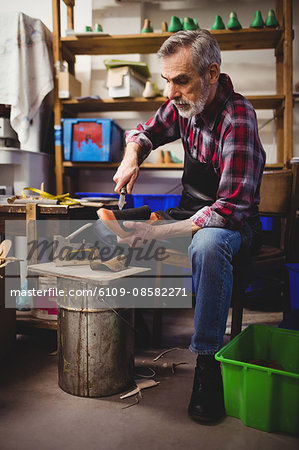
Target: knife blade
point(122, 197)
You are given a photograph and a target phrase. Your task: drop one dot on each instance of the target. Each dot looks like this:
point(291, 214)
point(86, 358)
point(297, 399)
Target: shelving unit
point(99, 165)
point(279, 39)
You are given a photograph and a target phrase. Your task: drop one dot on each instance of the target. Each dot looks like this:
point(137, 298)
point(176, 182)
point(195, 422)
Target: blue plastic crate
point(294, 284)
point(156, 202)
point(267, 223)
point(96, 140)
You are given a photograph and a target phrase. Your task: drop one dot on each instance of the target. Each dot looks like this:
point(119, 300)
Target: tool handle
point(75, 233)
point(123, 190)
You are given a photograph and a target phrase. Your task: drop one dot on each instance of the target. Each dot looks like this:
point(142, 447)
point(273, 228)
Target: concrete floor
point(36, 413)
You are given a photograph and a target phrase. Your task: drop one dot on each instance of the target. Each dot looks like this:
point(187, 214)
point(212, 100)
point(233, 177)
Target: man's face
point(186, 89)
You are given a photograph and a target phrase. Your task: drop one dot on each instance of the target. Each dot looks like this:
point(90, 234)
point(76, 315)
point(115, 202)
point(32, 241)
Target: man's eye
point(182, 81)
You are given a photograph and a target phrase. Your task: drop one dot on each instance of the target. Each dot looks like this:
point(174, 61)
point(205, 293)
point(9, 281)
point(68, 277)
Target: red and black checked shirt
point(225, 134)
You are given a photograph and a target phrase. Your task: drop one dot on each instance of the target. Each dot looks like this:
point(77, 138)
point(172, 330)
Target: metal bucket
point(95, 350)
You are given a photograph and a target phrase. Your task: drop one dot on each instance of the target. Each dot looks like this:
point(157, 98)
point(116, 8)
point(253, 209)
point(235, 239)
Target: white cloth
point(26, 68)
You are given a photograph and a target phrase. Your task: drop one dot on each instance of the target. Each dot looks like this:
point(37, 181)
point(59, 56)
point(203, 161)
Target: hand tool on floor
point(122, 197)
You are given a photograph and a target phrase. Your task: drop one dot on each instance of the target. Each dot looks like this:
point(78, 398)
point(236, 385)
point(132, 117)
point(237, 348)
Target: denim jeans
point(211, 253)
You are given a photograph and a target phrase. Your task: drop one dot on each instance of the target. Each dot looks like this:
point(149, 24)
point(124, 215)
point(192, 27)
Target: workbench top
point(83, 272)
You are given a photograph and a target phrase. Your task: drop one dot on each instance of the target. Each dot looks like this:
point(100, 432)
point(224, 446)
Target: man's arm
point(241, 162)
point(163, 127)
point(142, 231)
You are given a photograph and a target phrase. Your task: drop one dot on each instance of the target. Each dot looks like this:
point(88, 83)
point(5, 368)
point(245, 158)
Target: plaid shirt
point(224, 134)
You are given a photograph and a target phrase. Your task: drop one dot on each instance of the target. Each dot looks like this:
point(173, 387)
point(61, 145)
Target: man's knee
point(209, 242)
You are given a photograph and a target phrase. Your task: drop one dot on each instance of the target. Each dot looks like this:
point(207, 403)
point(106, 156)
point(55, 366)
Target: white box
point(124, 82)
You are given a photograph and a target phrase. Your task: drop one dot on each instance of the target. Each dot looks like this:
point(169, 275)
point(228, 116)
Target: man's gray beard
point(195, 107)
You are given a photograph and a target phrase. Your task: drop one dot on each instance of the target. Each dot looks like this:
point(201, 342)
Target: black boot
point(207, 402)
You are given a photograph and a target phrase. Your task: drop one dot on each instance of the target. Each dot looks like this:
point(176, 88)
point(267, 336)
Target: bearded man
point(223, 167)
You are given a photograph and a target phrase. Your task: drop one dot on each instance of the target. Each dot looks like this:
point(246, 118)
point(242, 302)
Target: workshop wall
point(252, 72)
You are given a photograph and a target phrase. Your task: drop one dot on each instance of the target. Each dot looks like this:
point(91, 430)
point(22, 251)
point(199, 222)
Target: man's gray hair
point(204, 48)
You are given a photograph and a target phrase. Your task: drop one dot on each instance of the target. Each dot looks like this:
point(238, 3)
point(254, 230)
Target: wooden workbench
point(45, 212)
point(27, 215)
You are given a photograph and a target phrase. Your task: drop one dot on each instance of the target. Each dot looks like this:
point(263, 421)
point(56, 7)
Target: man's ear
point(213, 73)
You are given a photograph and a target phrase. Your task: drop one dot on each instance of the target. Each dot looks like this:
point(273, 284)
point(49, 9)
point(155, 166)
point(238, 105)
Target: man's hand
point(141, 232)
point(146, 231)
point(128, 170)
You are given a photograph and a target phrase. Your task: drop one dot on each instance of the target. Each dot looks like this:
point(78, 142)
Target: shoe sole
point(113, 218)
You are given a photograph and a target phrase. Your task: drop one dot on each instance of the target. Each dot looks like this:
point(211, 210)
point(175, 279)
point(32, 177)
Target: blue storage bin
point(267, 223)
point(294, 284)
point(96, 140)
point(156, 202)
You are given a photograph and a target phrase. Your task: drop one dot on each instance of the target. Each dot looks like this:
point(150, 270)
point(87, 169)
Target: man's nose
point(173, 91)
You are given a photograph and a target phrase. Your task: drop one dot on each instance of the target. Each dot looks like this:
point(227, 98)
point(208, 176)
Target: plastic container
point(156, 202)
point(262, 397)
point(294, 284)
point(92, 140)
point(267, 223)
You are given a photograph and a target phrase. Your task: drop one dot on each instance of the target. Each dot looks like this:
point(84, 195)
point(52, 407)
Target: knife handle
point(123, 190)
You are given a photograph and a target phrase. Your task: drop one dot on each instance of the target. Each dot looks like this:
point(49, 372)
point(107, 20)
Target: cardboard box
point(125, 82)
point(68, 86)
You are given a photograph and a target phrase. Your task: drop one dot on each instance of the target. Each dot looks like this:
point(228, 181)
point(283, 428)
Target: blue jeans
point(211, 253)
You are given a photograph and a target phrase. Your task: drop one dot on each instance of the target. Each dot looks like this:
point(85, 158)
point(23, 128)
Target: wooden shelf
point(144, 166)
point(107, 165)
point(245, 39)
point(74, 106)
point(121, 104)
point(266, 101)
point(25, 320)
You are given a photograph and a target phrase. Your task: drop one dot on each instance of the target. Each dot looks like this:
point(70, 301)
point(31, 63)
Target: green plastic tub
point(262, 397)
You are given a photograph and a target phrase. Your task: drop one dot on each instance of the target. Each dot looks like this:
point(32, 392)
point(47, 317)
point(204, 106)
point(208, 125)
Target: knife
point(122, 197)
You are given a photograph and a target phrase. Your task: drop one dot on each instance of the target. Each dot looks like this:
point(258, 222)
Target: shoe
point(160, 159)
point(115, 264)
point(147, 27)
point(113, 218)
point(175, 24)
point(233, 22)
point(271, 21)
point(189, 24)
point(167, 157)
point(149, 90)
point(218, 23)
point(258, 21)
point(207, 401)
point(164, 27)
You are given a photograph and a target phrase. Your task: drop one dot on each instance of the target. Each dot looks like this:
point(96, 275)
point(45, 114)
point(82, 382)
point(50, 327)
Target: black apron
point(200, 184)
